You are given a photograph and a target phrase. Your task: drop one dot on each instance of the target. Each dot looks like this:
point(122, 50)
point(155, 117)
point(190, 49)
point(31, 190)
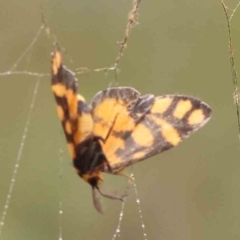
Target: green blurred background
point(180, 46)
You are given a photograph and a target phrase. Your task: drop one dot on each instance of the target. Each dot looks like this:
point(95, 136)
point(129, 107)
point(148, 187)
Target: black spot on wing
point(169, 112)
point(65, 77)
point(121, 134)
point(62, 102)
point(83, 107)
point(182, 126)
point(142, 107)
point(159, 143)
point(137, 112)
point(143, 104)
point(131, 147)
point(127, 95)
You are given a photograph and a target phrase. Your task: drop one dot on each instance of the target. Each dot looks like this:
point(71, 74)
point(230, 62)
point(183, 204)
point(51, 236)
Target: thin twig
point(236, 95)
point(132, 21)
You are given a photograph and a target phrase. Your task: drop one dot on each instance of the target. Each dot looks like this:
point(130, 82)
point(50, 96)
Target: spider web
point(15, 70)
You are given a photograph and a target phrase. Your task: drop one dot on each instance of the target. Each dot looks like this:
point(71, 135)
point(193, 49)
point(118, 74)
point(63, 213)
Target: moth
point(120, 127)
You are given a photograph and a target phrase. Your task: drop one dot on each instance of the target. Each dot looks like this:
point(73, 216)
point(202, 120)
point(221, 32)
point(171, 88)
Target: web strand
point(12, 71)
point(132, 22)
point(18, 159)
point(121, 214)
point(120, 219)
point(60, 204)
point(139, 208)
point(118, 229)
point(233, 11)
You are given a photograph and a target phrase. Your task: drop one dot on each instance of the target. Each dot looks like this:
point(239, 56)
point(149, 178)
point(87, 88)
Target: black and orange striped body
point(120, 127)
point(77, 122)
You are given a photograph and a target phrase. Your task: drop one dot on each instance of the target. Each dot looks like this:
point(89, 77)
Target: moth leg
point(109, 167)
point(112, 196)
point(131, 179)
point(96, 201)
point(108, 170)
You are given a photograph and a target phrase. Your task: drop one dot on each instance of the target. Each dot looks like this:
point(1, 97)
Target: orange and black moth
point(119, 127)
